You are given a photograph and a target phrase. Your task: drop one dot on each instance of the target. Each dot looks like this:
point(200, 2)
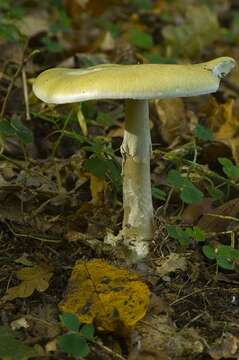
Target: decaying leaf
point(111, 297)
point(224, 123)
point(97, 187)
point(19, 323)
point(160, 338)
point(171, 263)
point(227, 347)
point(173, 119)
point(221, 218)
point(198, 31)
point(32, 278)
point(193, 211)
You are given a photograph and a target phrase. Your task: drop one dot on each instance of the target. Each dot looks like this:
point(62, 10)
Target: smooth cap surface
point(145, 81)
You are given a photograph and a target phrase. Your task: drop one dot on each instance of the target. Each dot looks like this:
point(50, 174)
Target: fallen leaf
point(160, 338)
point(171, 263)
point(107, 42)
point(34, 23)
point(19, 323)
point(220, 218)
point(227, 347)
point(199, 29)
point(33, 278)
point(224, 123)
point(194, 211)
point(97, 188)
point(173, 119)
point(51, 346)
point(112, 298)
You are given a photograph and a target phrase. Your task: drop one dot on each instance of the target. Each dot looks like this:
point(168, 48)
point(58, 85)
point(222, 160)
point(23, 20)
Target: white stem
point(137, 197)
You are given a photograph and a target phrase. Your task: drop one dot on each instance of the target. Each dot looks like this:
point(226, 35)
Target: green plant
point(141, 39)
point(231, 170)
point(189, 193)
point(203, 133)
point(225, 255)
point(16, 128)
point(75, 341)
point(185, 237)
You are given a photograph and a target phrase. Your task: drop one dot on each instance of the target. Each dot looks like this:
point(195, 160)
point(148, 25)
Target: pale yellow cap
point(145, 81)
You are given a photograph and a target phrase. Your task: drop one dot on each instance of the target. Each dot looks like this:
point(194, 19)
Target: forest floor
point(61, 189)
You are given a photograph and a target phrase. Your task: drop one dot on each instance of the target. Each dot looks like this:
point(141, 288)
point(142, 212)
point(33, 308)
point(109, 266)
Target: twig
point(108, 350)
point(31, 236)
point(57, 143)
point(15, 76)
point(25, 92)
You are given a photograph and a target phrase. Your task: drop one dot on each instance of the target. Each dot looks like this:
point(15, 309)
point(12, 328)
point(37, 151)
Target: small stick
point(10, 87)
point(25, 93)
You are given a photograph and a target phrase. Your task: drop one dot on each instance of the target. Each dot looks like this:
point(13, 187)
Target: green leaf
point(52, 45)
point(231, 170)
point(225, 263)
point(104, 119)
point(190, 194)
point(225, 256)
point(96, 166)
point(196, 233)
point(217, 194)
point(70, 321)
point(13, 349)
point(6, 128)
point(21, 131)
point(9, 32)
point(141, 39)
point(145, 5)
point(73, 344)
point(179, 234)
point(110, 26)
point(209, 252)
point(174, 178)
point(158, 194)
point(88, 331)
point(156, 58)
point(203, 133)
point(62, 24)
point(114, 172)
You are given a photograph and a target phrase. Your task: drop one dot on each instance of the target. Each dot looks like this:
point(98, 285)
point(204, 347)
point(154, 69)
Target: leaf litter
point(58, 212)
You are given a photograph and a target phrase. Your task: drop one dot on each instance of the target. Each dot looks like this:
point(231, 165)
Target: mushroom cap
point(144, 81)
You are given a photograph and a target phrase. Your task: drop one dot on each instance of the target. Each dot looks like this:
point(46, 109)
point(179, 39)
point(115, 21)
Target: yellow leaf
point(33, 278)
point(224, 123)
point(82, 121)
point(97, 187)
point(173, 117)
point(111, 297)
point(199, 30)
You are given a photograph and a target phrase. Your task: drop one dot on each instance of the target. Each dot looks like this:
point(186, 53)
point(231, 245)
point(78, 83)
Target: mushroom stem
point(137, 196)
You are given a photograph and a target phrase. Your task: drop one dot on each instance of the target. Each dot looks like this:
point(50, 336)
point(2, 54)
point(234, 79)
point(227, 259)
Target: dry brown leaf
point(111, 297)
point(173, 118)
point(171, 263)
point(199, 29)
point(224, 123)
point(160, 338)
point(97, 188)
point(193, 211)
point(32, 278)
point(106, 42)
point(227, 347)
point(34, 23)
point(220, 218)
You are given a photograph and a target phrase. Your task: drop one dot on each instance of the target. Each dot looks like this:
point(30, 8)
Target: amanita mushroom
point(137, 84)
